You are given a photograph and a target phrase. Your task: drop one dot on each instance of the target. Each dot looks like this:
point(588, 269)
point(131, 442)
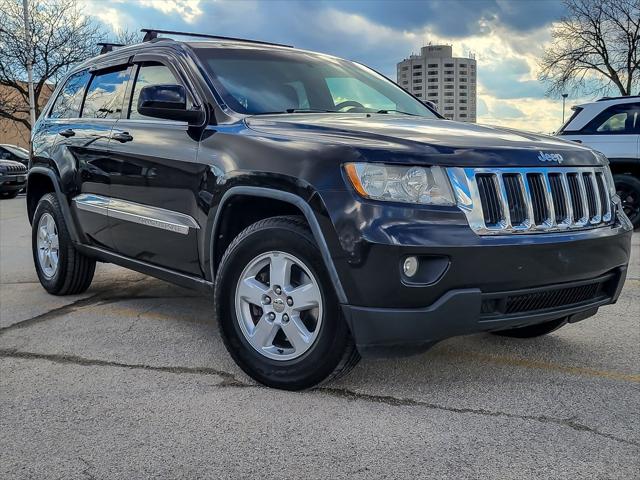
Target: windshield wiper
point(398, 111)
point(309, 110)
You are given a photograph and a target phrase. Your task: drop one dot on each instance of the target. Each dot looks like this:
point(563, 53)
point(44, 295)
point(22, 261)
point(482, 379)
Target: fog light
point(410, 266)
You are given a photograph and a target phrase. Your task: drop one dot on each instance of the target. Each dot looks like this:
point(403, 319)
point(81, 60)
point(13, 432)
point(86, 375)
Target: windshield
point(253, 82)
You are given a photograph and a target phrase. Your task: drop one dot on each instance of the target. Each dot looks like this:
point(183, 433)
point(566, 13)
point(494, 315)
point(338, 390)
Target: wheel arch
point(43, 180)
point(286, 204)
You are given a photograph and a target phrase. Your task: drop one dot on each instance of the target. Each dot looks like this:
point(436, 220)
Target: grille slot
point(536, 187)
point(591, 195)
point(515, 198)
point(576, 196)
point(559, 197)
point(490, 200)
point(532, 200)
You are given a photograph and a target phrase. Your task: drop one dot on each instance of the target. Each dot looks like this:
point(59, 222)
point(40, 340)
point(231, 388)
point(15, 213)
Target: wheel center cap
point(278, 305)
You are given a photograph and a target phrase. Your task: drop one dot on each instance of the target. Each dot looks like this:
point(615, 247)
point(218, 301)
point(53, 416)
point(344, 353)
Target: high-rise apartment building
point(448, 81)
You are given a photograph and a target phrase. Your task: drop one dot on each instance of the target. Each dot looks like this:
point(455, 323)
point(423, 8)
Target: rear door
point(154, 212)
point(82, 118)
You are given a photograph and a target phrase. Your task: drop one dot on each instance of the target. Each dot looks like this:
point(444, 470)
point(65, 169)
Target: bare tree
point(61, 36)
point(594, 48)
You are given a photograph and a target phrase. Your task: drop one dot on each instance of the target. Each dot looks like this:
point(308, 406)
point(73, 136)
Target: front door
point(154, 211)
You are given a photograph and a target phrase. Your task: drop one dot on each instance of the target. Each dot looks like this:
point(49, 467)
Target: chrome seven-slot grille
point(15, 168)
point(532, 200)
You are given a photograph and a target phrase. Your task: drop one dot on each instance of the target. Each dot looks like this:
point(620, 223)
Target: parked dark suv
point(331, 213)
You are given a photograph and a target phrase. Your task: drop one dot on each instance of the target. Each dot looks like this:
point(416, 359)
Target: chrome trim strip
point(137, 213)
point(463, 181)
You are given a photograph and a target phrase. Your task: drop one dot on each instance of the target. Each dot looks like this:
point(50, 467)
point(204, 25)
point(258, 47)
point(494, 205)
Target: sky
point(507, 38)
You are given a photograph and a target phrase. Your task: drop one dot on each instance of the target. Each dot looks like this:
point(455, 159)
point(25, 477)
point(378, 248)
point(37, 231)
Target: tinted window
point(619, 119)
point(260, 81)
point(150, 74)
point(106, 94)
point(68, 103)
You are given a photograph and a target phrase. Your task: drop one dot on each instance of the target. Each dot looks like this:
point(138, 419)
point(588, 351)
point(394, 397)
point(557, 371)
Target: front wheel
point(628, 189)
point(278, 314)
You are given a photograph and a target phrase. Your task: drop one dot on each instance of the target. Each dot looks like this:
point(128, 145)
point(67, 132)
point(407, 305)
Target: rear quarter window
point(69, 101)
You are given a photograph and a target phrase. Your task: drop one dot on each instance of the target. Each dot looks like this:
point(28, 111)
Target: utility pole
point(564, 98)
point(27, 37)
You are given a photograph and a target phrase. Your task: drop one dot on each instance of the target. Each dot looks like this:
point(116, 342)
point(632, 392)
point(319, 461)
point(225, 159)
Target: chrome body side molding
point(137, 213)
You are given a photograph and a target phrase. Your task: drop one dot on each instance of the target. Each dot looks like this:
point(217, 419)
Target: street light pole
point(27, 35)
point(564, 97)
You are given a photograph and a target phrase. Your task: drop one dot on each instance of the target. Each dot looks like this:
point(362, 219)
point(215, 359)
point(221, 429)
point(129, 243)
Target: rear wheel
point(278, 314)
point(533, 331)
point(628, 189)
point(62, 270)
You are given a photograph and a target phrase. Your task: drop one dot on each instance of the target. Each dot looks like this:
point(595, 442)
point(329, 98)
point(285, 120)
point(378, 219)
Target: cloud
point(506, 38)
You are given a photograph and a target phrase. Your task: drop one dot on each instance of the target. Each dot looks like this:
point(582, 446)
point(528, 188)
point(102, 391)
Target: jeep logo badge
point(550, 157)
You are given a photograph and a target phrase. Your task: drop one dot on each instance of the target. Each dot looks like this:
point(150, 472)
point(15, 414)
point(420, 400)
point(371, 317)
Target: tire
point(533, 331)
point(628, 189)
point(9, 195)
point(328, 351)
point(73, 271)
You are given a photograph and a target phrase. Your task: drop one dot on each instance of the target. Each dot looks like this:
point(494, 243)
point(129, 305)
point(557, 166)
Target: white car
point(612, 126)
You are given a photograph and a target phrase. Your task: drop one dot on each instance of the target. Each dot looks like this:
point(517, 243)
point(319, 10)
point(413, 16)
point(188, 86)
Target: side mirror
point(431, 105)
point(168, 102)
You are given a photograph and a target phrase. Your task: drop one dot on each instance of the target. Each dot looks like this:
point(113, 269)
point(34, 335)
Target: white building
point(447, 81)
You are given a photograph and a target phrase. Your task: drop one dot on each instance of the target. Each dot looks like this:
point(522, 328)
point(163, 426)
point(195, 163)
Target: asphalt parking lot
point(131, 380)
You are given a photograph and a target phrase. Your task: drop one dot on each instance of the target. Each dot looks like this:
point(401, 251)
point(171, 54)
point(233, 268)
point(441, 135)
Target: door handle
point(67, 133)
point(122, 137)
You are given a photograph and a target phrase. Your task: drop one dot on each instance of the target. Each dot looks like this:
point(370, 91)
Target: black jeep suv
point(330, 213)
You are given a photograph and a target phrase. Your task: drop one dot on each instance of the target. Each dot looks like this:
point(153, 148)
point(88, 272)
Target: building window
point(418, 94)
point(448, 64)
point(463, 79)
point(432, 65)
point(432, 72)
point(432, 94)
point(405, 68)
point(463, 94)
point(432, 87)
point(448, 116)
point(417, 66)
point(448, 94)
point(448, 79)
point(432, 80)
point(462, 100)
point(448, 72)
point(463, 108)
point(463, 115)
point(448, 87)
point(463, 65)
point(418, 87)
point(448, 108)
point(417, 74)
point(463, 87)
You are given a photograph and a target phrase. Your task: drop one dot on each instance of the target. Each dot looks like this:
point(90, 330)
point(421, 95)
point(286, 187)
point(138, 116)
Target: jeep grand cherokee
point(330, 213)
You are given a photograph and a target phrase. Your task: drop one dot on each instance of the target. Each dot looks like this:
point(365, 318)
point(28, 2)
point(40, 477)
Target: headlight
point(394, 183)
point(611, 185)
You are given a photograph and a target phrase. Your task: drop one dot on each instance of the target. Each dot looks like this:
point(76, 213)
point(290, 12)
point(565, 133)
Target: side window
point(149, 74)
point(105, 95)
point(69, 101)
point(617, 120)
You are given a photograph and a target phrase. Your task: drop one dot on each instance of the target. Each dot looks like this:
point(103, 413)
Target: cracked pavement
point(131, 380)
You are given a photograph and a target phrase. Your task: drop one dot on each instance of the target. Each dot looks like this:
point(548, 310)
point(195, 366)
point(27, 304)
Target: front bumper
point(11, 183)
point(471, 283)
point(389, 331)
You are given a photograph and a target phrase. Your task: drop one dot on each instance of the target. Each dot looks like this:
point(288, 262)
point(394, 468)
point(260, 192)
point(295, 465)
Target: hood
point(444, 141)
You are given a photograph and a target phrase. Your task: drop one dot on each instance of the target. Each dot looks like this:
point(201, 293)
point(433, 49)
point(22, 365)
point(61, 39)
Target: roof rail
point(152, 34)
point(108, 47)
point(604, 99)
